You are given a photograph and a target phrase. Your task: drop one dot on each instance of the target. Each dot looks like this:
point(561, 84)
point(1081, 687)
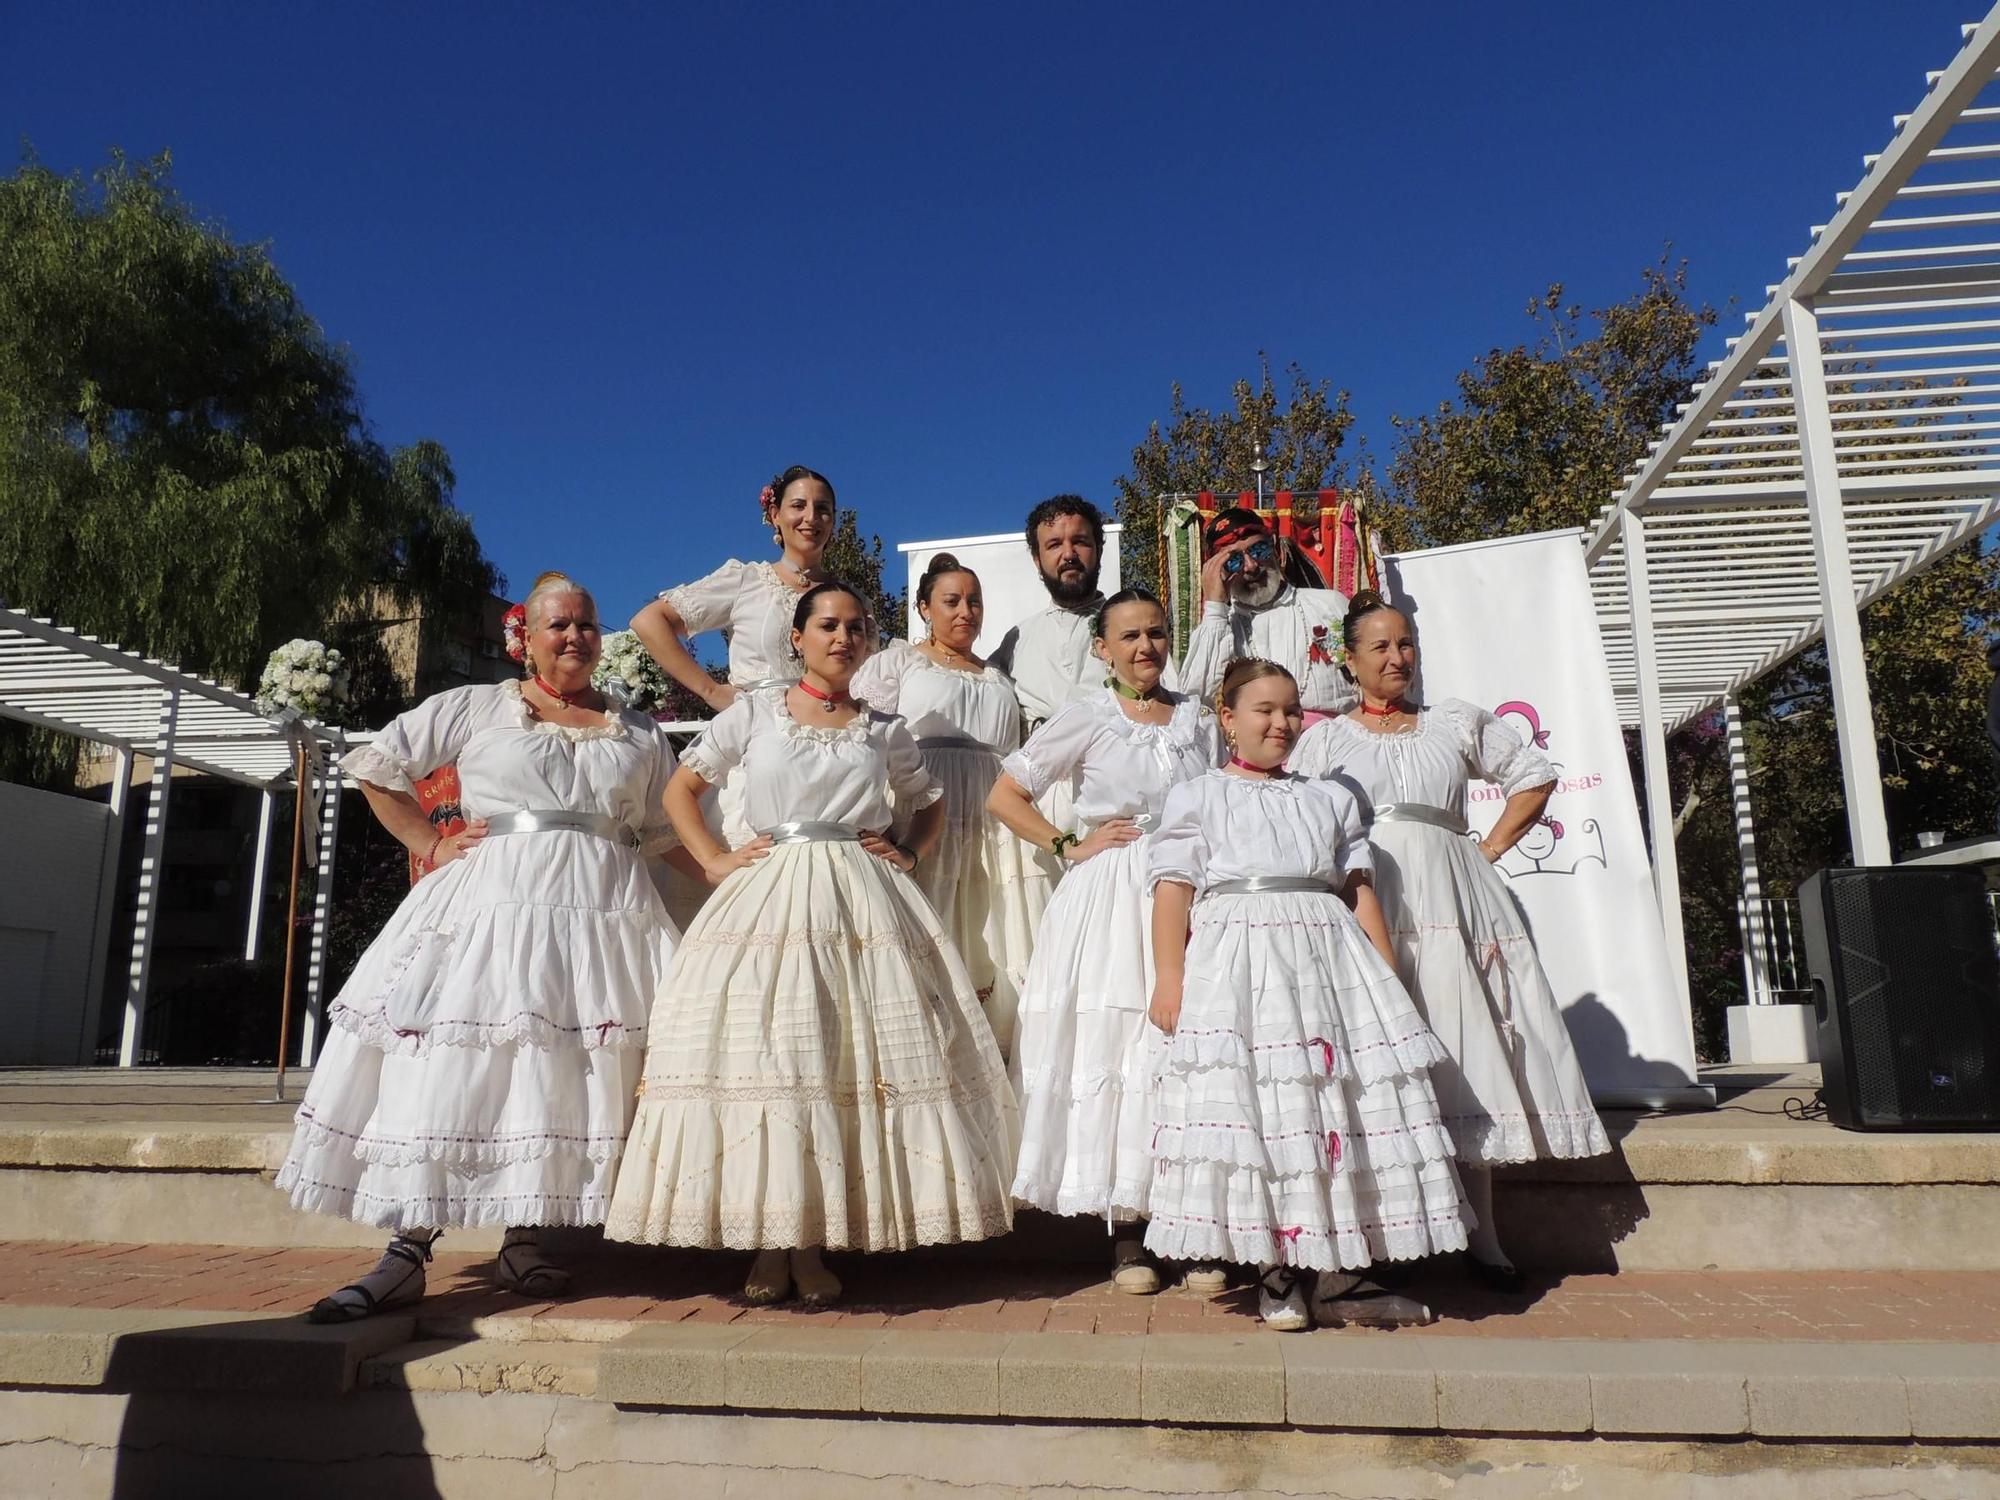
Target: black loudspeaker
point(1906, 987)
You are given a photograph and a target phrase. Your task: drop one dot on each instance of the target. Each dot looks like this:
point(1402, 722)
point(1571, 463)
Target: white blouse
point(1048, 656)
point(1452, 741)
point(940, 701)
point(511, 761)
point(807, 773)
point(1223, 827)
point(1299, 630)
point(752, 605)
point(1121, 769)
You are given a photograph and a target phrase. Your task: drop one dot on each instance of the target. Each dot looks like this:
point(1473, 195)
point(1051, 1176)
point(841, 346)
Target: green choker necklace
point(1125, 690)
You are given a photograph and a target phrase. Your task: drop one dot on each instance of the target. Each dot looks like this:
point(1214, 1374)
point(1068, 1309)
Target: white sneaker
point(1281, 1301)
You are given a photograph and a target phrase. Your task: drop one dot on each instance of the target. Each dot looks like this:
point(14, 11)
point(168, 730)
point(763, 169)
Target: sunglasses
point(1260, 552)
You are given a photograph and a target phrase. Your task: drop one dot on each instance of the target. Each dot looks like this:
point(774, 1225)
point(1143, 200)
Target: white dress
point(1295, 1123)
point(752, 605)
point(480, 1061)
point(1049, 658)
point(1084, 1051)
point(1300, 630)
point(818, 1071)
point(1510, 1087)
point(988, 887)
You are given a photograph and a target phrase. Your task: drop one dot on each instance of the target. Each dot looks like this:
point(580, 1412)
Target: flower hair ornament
point(766, 499)
point(514, 632)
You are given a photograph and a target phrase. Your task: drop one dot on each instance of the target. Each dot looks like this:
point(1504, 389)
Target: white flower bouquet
point(627, 674)
point(305, 677)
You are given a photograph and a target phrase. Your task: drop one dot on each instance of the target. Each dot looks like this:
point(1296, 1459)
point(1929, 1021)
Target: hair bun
point(554, 575)
point(1365, 600)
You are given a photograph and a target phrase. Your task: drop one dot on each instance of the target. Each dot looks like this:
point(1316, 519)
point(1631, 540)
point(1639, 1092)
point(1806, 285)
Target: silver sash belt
point(1257, 885)
point(954, 742)
point(812, 833)
point(1142, 821)
point(1421, 812)
point(556, 820)
point(765, 682)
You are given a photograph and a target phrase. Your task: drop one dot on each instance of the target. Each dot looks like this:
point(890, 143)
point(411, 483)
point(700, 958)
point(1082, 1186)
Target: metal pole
point(329, 835)
point(1653, 747)
point(1756, 943)
point(1847, 667)
point(252, 934)
point(151, 868)
point(292, 915)
point(107, 901)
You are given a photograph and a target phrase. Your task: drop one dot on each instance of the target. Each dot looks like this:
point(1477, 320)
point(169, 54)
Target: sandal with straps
point(404, 1260)
point(1365, 1304)
point(519, 1267)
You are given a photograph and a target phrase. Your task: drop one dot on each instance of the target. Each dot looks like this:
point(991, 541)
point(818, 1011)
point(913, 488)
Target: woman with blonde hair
point(480, 1061)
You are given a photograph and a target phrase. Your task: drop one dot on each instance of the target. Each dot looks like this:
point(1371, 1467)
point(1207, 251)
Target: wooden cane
point(292, 919)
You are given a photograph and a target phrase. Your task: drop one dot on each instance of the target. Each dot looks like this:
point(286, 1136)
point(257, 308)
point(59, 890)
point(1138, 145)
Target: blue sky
point(625, 261)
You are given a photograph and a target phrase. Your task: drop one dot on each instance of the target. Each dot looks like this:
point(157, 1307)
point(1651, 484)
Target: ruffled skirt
point(1509, 1085)
point(819, 1072)
point(480, 1061)
point(1295, 1123)
point(1085, 1054)
point(987, 886)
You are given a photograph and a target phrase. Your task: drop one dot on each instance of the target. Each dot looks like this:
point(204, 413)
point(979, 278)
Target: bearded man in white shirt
point(1248, 608)
point(1048, 654)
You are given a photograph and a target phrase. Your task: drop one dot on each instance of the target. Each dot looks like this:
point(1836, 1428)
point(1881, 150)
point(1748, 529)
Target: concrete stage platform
point(141, 1156)
point(1737, 1303)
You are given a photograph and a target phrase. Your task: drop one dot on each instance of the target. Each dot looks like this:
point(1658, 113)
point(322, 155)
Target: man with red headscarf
point(1249, 609)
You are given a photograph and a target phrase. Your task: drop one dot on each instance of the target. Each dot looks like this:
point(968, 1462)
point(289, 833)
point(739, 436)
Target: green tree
point(859, 564)
point(1540, 435)
point(1301, 431)
point(184, 464)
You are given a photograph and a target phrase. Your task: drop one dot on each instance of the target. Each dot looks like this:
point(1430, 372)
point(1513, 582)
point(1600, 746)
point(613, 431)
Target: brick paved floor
point(947, 1290)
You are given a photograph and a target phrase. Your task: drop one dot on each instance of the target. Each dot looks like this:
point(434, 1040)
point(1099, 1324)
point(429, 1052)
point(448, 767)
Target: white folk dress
point(480, 1061)
point(818, 1072)
point(1049, 658)
point(1295, 1122)
point(752, 605)
point(1085, 1053)
point(987, 886)
point(1299, 630)
point(1510, 1087)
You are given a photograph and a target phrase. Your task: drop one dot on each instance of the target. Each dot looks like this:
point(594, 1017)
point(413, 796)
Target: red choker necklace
point(567, 700)
point(1386, 712)
point(1265, 771)
point(827, 701)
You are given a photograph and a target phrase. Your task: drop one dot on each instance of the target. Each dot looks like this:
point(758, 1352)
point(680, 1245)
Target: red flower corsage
point(1320, 652)
point(514, 632)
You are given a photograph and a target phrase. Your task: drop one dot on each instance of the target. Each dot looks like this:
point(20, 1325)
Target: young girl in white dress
point(480, 1061)
point(751, 603)
point(1295, 1128)
point(818, 1071)
point(1085, 1056)
point(1510, 1085)
point(987, 886)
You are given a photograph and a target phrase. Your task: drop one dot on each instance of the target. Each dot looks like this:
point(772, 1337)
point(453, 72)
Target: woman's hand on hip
point(729, 861)
point(1106, 835)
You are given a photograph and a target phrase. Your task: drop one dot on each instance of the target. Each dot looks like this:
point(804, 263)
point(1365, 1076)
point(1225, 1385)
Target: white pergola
point(1848, 439)
point(76, 684)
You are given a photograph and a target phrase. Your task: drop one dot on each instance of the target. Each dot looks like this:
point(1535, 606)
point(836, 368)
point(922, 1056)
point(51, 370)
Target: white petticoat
point(1294, 1123)
point(819, 1072)
point(1086, 1057)
point(988, 888)
point(1509, 1086)
point(480, 1061)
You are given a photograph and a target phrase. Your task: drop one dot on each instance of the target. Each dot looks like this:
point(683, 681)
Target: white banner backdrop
point(1508, 625)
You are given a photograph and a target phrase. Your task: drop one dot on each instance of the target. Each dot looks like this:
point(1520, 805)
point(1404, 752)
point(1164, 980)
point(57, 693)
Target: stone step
point(98, 1156)
point(1651, 1388)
